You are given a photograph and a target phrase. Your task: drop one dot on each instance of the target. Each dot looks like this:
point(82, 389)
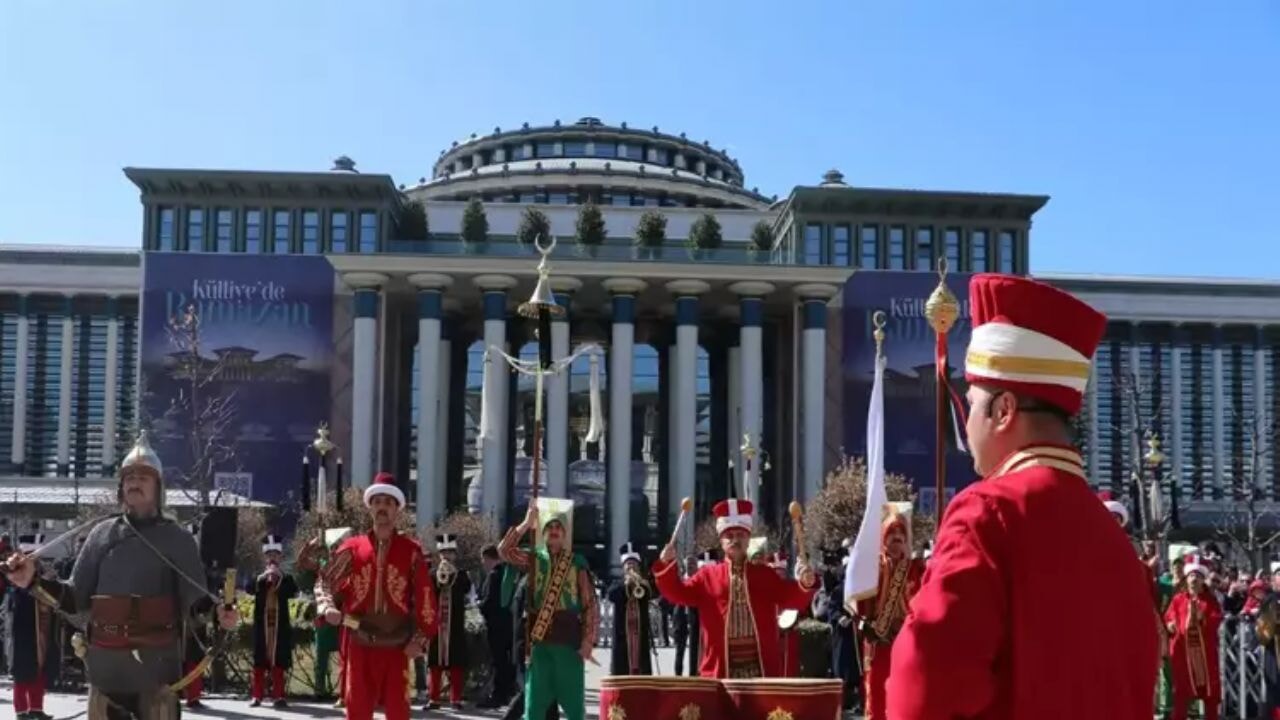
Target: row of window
point(88, 398)
point(604, 150)
point(597, 195)
point(892, 248)
point(1185, 406)
point(254, 230)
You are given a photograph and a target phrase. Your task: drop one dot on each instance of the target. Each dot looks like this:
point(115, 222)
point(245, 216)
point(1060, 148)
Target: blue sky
point(1153, 126)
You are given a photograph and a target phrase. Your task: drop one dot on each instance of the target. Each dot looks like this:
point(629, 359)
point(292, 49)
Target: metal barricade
point(1244, 684)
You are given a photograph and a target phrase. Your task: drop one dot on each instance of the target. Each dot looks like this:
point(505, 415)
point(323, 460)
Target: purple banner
point(909, 391)
point(265, 345)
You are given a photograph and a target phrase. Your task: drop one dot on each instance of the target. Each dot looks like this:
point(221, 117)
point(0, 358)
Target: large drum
point(783, 699)
point(660, 697)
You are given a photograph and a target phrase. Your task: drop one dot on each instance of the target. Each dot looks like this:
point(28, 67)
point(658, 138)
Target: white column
point(621, 357)
point(751, 343)
point(64, 390)
point(364, 375)
point(111, 390)
point(497, 379)
point(431, 288)
point(735, 412)
point(18, 455)
point(1262, 473)
point(557, 435)
point(672, 391)
point(1174, 440)
point(685, 377)
point(441, 461)
point(1219, 418)
point(814, 381)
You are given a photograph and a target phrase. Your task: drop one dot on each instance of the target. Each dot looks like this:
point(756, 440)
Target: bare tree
point(203, 409)
point(1242, 526)
point(1141, 428)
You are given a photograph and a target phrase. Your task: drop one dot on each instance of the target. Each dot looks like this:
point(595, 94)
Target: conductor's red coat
point(708, 591)
point(1033, 606)
point(1195, 669)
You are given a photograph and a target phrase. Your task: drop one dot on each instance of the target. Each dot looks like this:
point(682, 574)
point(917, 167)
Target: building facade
point(711, 363)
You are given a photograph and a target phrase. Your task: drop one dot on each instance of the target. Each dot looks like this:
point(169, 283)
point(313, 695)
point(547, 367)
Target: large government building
point(710, 352)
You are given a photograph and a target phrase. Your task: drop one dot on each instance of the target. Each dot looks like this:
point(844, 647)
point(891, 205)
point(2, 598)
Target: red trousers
point(192, 692)
point(875, 677)
point(29, 696)
point(259, 681)
point(377, 676)
point(457, 677)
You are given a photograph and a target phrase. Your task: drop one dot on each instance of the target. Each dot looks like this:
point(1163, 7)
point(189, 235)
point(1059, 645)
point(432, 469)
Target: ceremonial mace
point(941, 310)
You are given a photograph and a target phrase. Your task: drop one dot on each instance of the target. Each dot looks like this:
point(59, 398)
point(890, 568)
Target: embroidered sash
point(446, 622)
point(633, 636)
point(889, 613)
point(1197, 659)
point(560, 567)
point(742, 651)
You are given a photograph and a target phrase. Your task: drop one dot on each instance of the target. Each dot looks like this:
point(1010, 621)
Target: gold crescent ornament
point(690, 712)
point(617, 713)
point(780, 714)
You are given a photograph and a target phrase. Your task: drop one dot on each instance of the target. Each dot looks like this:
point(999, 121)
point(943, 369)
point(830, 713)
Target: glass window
point(517, 152)
point(368, 231)
point(575, 148)
point(195, 229)
point(558, 197)
point(280, 235)
point(631, 152)
point(310, 232)
point(924, 248)
point(670, 201)
point(897, 248)
point(620, 197)
point(637, 200)
point(813, 244)
point(1006, 251)
point(165, 236)
point(253, 230)
point(869, 242)
point(606, 150)
point(951, 245)
point(546, 149)
point(662, 156)
point(224, 226)
point(978, 251)
point(338, 239)
point(840, 245)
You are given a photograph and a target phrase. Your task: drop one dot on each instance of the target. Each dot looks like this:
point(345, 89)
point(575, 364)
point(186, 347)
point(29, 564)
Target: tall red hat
point(732, 513)
point(1032, 339)
point(383, 484)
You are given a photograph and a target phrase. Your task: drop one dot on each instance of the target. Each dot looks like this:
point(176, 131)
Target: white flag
point(862, 575)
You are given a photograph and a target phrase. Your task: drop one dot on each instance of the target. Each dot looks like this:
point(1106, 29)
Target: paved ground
point(67, 707)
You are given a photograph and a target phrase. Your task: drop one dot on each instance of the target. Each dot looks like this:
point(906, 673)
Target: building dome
point(589, 160)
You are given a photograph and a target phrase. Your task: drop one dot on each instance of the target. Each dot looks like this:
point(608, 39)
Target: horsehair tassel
point(595, 430)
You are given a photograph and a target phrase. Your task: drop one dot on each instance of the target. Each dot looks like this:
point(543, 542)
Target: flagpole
point(941, 310)
point(862, 574)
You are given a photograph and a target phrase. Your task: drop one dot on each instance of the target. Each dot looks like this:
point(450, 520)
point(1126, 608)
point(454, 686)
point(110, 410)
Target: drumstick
point(685, 506)
point(797, 529)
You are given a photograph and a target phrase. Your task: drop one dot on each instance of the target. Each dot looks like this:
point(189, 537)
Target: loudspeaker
point(218, 538)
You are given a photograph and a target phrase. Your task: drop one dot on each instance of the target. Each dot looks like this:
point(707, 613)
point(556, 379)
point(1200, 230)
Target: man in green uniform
point(1166, 587)
point(564, 614)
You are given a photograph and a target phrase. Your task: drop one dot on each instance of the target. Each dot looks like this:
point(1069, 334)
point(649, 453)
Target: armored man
point(378, 586)
point(738, 601)
point(137, 576)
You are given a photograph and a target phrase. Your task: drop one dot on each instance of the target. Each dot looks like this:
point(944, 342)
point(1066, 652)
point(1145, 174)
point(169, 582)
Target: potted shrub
point(704, 234)
point(475, 225)
point(651, 233)
point(413, 221)
point(591, 228)
point(534, 224)
point(761, 238)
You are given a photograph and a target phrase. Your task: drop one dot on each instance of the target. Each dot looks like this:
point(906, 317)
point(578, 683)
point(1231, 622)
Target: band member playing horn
point(1192, 620)
point(378, 587)
point(448, 651)
point(563, 624)
point(136, 576)
point(632, 635)
point(738, 601)
point(272, 631)
point(880, 617)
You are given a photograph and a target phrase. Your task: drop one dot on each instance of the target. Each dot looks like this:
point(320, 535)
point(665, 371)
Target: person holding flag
point(1034, 605)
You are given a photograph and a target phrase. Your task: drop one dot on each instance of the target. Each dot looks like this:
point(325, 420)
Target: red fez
point(732, 513)
point(1032, 339)
point(384, 483)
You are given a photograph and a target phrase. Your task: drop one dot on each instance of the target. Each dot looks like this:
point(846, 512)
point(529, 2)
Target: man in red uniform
point(880, 616)
point(378, 586)
point(1192, 620)
point(1033, 605)
point(738, 601)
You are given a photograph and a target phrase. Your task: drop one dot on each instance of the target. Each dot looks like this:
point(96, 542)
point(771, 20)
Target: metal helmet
point(142, 456)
